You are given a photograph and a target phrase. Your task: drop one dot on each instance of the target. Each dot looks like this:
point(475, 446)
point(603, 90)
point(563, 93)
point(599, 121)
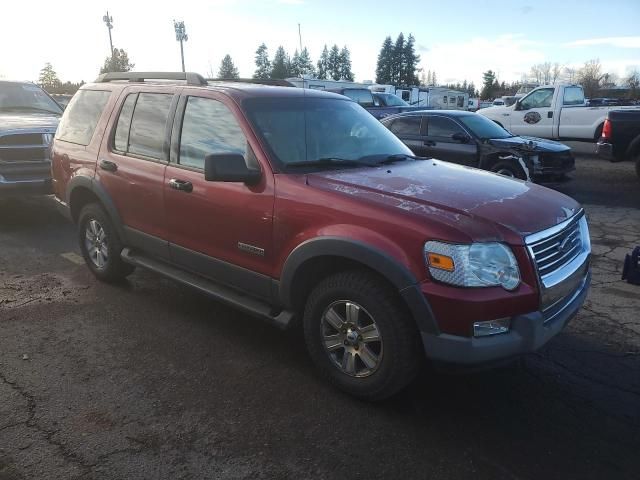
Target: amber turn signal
point(442, 262)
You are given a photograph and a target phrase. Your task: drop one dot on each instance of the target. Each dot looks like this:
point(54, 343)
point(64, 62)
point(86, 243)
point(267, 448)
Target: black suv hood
point(19, 120)
point(531, 144)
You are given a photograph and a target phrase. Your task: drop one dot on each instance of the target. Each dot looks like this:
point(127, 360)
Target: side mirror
point(460, 137)
point(229, 167)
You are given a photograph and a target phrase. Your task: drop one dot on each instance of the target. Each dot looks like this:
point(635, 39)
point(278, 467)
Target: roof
point(443, 113)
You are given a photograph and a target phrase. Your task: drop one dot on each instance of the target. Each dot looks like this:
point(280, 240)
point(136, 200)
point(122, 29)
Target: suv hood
point(15, 120)
point(479, 204)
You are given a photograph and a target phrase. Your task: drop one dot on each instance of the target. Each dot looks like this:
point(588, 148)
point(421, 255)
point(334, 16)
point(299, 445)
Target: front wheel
point(509, 169)
point(360, 336)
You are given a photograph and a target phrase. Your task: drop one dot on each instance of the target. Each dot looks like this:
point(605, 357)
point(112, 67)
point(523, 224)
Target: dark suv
point(297, 205)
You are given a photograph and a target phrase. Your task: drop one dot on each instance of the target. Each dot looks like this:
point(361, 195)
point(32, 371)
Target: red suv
point(298, 205)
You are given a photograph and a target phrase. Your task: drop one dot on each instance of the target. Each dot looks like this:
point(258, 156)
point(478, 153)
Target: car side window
point(539, 99)
point(363, 97)
point(406, 126)
point(121, 138)
point(442, 127)
point(148, 125)
point(573, 96)
point(82, 116)
point(208, 126)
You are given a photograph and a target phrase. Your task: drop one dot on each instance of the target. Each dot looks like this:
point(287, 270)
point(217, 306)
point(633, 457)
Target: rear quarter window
point(81, 116)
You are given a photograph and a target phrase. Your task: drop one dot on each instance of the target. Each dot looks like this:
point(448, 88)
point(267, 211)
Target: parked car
point(609, 102)
point(28, 121)
point(553, 111)
point(620, 138)
point(379, 105)
point(470, 139)
point(296, 205)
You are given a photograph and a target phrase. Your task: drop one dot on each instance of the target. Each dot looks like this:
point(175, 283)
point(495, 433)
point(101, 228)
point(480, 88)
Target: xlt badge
point(252, 249)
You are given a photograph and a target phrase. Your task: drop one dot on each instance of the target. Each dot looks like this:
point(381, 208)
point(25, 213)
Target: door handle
point(182, 185)
point(429, 143)
point(550, 114)
point(108, 165)
point(505, 114)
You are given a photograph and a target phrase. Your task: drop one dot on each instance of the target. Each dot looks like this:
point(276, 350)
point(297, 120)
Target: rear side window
point(406, 126)
point(363, 97)
point(82, 115)
point(442, 127)
point(573, 96)
point(148, 125)
point(121, 139)
point(209, 127)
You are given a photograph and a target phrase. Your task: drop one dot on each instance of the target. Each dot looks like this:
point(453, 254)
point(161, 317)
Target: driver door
point(534, 114)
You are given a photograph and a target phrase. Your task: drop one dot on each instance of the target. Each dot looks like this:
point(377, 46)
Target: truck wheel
point(359, 335)
point(100, 244)
point(509, 169)
point(638, 165)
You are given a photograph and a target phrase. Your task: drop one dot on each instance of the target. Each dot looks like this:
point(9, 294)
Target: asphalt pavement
point(149, 380)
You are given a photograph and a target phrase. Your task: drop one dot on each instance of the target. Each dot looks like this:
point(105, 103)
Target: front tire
point(360, 336)
point(100, 245)
point(509, 169)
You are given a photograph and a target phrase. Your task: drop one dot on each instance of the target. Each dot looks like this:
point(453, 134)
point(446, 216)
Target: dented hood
point(483, 205)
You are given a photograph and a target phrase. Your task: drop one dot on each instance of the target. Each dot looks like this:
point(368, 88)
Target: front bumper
point(528, 333)
point(10, 188)
point(551, 164)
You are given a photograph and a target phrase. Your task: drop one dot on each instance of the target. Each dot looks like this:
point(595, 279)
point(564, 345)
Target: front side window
point(15, 96)
point(363, 97)
point(81, 117)
point(406, 126)
point(148, 125)
point(442, 127)
point(539, 99)
point(209, 127)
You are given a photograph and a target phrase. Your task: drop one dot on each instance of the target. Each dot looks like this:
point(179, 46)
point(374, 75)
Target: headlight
point(475, 265)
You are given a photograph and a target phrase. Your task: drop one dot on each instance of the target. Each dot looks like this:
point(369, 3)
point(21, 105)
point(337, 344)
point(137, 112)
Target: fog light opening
point(491, 327)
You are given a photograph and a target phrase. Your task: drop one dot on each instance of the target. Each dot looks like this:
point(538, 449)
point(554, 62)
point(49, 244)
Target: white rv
point(439, 98)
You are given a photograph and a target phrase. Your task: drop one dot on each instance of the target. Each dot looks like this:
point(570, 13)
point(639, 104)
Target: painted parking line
point(73, 258)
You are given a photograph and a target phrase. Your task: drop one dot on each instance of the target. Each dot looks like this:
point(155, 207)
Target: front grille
point(557, 250)
point(23, 147)
point(553, 162)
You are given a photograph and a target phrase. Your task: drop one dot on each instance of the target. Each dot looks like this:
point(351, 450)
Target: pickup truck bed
point(620, 139)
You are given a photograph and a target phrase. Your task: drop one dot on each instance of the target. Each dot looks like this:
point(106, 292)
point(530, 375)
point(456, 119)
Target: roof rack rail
point(258, 81)
point(190, 77)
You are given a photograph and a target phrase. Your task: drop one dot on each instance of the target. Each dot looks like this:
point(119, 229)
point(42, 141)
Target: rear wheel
point(360, 336)
point(100, 244)
point(509, 169)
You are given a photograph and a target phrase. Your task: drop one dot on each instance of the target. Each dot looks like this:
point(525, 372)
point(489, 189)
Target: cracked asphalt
point(149, 380)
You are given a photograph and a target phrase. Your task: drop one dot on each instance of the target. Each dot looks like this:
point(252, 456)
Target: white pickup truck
point(552, 111)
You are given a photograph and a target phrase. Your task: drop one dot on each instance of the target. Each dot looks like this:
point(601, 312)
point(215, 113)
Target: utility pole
point(181, 36)
point(300, 38)
point(109, 22)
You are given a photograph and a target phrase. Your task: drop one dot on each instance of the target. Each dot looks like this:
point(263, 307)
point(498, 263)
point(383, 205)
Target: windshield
point(26, 96)
point(483, 128)
point(309, 129)
point(391, 100)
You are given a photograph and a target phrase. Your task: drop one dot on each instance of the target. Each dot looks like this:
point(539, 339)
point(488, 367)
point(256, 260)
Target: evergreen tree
point(434, 79)
point(385, 61)
point(294, 65)
point(398, 65)
point(227, 68)
point(263, 65)
point(118, 62)
point(410, 63)
point(345, 64)
point(323, 64)
point(48, 78)
point(488, 79)
point(280, 67)
point(305, 64)
point(333, 64)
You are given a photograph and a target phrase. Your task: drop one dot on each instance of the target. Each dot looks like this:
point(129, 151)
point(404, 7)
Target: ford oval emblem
point(565, 245)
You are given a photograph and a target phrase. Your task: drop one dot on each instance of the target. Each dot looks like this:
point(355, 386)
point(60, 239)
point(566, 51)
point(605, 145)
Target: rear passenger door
point(222, 230)
point(408, 129)
point(132, 162)
point(439, 142)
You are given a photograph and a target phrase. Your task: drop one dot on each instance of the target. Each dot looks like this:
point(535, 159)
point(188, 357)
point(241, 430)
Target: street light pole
point(181, 36)
point(109, 22)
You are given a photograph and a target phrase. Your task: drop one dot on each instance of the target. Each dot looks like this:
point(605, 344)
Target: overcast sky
point(459, 40)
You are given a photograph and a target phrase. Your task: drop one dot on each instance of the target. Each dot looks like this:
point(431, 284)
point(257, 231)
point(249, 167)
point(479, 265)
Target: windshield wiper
point(398, 157)
point(329, 161)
